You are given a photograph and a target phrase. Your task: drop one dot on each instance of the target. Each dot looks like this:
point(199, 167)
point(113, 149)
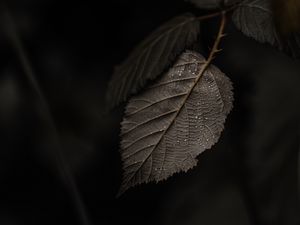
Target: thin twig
point(216, 14)
point(208, 16)
point(63, 167)
point(220, 35)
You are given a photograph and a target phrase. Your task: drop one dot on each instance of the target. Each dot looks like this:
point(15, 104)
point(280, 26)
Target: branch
point(220, 35)
point(216, 14)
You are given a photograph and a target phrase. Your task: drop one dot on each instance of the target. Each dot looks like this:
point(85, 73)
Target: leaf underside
point(254, 18)
point(212, 4)
point(174, 120)
point(152, 57)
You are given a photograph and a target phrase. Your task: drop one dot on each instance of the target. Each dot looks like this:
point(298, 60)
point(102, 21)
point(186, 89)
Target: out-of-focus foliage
point(287, 15)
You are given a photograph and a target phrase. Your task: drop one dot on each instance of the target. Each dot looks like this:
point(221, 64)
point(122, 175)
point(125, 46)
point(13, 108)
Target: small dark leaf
point(255, 19)
point(212, 4)
point(170, 123)
point(152, 57)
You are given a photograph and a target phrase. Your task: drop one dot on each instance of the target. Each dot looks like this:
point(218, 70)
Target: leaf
point(174, 120)
point(149, 59)
point(212, 4)
point(255, 19)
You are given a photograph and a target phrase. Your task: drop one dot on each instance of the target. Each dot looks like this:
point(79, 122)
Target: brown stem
point(216, 14)
point(220, 35)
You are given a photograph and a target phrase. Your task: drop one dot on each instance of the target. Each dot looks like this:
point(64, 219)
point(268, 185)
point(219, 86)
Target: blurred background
point(250, 177)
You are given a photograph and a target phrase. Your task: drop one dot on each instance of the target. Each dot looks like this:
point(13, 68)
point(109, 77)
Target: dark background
point(249, 177)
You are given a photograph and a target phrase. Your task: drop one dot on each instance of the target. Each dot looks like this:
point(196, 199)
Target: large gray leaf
point(171, 122)
point(152, 57)
point(212, 4)
point(255, 19)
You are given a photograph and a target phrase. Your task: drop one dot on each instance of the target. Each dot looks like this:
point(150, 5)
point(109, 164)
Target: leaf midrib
point(197, 79)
